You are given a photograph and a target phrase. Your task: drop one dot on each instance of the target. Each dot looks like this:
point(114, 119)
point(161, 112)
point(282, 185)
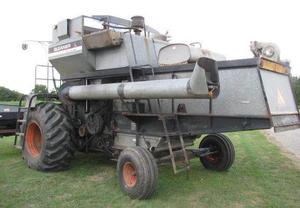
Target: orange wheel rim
point(34, 139)
point(129, 174)
point(212, 158)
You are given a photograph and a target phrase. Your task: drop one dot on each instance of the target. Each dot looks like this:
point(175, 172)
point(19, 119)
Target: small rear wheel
point(137, 172)
point(223, 153)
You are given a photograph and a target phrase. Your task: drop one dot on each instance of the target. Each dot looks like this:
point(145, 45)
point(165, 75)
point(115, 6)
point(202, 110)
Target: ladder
point(173, 117)
point(165, 119)
point(21, 120)
point(22, 116)
point(141, 69)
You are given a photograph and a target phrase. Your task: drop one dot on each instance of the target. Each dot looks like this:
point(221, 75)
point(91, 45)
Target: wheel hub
point(129, 174)
point(214, 157)
point(34, 139)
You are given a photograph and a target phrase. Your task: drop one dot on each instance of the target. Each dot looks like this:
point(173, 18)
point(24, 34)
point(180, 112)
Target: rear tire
point(137, 172)
point(48, 145)
point(224, 158)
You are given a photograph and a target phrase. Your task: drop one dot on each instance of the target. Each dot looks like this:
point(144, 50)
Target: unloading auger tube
point(203, 83)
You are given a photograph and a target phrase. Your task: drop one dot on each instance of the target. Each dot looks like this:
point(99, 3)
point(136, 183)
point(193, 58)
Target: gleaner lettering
point(60, 48)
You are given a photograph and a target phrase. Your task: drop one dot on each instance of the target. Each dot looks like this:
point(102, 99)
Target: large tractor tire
point(48, 145)
point(224, 155)
point(137, 172)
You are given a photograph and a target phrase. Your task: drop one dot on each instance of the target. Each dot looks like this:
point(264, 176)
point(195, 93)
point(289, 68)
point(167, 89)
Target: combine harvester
point(129, 93)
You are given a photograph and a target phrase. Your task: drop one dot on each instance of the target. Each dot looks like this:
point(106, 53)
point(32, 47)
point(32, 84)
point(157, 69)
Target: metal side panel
point(241, 94)
point(281, 100)
point(70, 57)
point(8, 119)
point(134, 51)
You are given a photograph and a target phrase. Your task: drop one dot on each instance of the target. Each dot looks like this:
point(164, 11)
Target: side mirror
point(24, 46)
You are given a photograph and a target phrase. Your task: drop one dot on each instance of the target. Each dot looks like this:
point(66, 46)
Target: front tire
point(48, 145)
point(224, 155)
point(137, 172)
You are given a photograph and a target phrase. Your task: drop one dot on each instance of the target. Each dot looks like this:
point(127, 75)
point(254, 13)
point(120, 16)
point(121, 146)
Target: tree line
point(9, 95)
point(296, 87)
point(12, 95)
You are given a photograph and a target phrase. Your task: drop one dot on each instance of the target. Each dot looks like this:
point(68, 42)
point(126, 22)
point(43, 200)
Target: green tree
point(40, 89)
point(9, 95)
point(296, 88)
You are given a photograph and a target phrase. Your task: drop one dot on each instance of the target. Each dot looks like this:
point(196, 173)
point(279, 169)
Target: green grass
point(17, 102)
point(9, 102)
point(260, 177)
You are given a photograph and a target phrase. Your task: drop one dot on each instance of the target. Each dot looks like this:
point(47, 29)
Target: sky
point(225, 27)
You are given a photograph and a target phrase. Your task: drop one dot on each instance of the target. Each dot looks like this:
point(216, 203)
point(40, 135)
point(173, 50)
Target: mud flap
point(281, 100)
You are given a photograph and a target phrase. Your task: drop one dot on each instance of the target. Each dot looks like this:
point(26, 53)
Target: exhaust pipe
point(204, 83)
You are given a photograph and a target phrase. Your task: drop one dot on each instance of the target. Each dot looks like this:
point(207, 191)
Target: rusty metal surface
point(273, 66)
point(102, 39)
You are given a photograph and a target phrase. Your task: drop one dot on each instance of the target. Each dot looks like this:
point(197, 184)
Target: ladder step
point(19, 134)
point(187, 168)
point(177, 132)
point(21, 120)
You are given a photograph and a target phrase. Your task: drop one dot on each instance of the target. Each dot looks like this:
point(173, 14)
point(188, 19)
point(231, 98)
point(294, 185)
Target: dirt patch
point(284, 151)
point(96, 178)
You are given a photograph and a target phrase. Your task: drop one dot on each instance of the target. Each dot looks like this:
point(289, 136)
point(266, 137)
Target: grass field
point(9, 102)
point(260, 177)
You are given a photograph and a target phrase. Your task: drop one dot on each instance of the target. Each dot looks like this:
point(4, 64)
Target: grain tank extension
point(129, 93)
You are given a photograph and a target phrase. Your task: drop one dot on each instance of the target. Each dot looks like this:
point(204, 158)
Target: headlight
point(268, 51)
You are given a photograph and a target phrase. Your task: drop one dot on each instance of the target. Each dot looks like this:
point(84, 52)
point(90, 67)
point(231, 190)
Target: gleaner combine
point(129, 93)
